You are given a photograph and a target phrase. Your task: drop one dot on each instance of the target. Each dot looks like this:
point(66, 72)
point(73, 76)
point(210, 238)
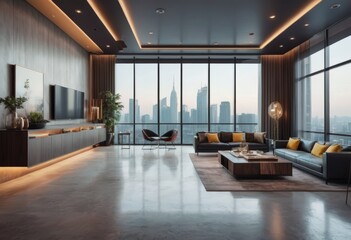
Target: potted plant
point(111, 112)
point(36, 120)
point(12, 104)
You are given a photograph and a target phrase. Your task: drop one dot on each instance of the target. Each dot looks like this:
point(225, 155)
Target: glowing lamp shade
point(275, 110)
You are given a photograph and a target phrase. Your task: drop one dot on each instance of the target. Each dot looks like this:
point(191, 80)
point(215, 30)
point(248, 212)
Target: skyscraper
point(214, 113)
point(202, 105)
point(131, 111)
point(224, 112)
point(173, 106)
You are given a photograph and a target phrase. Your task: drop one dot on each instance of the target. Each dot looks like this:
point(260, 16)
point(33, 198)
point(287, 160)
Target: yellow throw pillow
point(319, 149)
point(334, 148)
point(293, 143)
point(212, 138)
point(238, 137)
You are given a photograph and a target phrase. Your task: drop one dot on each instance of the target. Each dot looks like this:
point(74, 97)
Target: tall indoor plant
point(111, 112)
point(12, 104)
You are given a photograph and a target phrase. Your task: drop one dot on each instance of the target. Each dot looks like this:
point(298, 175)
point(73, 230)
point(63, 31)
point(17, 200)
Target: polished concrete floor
point(109, 193)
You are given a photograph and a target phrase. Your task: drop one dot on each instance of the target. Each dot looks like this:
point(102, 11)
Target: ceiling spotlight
point(292, 38)
point(281, 46)
point(272, 16)
point(160, 11)
point(150, 33)
point(335, 6)
point(108, 46)
point(306, 24)
point(149, 43)
point(78, 11)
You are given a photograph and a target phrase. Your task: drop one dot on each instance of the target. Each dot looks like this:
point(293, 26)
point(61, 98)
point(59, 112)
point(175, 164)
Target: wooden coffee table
point(241, 168)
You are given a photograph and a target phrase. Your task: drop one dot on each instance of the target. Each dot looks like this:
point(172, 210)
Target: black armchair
point(150, 136)
point(169, 137)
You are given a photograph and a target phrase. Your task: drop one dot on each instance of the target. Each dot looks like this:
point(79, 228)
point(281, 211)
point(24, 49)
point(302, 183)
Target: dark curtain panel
point(102, 74)
point(278, 74)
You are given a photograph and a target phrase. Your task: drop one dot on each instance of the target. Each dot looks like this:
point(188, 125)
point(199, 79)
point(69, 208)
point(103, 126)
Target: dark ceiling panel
point(202, 23)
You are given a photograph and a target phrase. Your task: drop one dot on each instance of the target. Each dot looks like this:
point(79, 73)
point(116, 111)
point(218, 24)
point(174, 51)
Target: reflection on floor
point(110, 193)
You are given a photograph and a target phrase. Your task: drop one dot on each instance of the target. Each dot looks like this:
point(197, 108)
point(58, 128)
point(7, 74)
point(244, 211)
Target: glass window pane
point(340, 85)
point(340, 51)
point(189, 131)
point(312, 105)
point(169, 93)
point(146, 110)
point(222, 96)
point(195, 93)
point(247, 79)
point(124, 86)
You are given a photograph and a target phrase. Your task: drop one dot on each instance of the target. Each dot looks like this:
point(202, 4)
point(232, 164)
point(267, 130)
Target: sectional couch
point(331, 166)
point(255, 141)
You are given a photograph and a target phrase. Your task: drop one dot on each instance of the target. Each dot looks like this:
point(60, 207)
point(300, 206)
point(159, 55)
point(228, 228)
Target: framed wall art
point(29, 84)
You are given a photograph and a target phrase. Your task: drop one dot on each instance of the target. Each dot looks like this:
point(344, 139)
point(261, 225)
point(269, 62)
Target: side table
point(121, 142)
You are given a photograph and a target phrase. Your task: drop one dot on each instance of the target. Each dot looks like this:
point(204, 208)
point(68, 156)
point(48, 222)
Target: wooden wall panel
point(29, 39)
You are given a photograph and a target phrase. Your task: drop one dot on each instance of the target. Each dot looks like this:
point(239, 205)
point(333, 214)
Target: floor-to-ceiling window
point(169, 107)
point(222, 97)
point(187, 96)
point(323, 86)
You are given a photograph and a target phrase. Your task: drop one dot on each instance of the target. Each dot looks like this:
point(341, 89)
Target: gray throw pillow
point(306, 145)
point(259, 137)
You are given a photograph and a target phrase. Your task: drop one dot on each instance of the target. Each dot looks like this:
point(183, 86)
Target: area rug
point(215, 177)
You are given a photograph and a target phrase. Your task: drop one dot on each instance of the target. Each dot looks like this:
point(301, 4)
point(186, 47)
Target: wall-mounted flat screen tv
point(66, 103)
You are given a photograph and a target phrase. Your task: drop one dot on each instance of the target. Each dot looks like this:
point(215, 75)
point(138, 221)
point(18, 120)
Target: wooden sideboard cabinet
point(26, 148)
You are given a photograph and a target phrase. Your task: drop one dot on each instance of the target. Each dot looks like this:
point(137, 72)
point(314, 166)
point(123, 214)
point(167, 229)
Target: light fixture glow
point(108, 46)
point(151, 33)
point(103, 20)
point(275, 34)
point(290, 22)
point(78, 11)
point(281, 46)
point(292, 38)
point(306, 24)
point(272, 16)
point(335, 6)
point(160, 11)
point(57, 16)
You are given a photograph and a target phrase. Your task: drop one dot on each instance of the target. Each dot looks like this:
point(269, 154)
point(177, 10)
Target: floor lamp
point(275, 111)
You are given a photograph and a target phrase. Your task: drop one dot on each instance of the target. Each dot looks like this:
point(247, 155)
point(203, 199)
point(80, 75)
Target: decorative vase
point(19, 123)
point(11, 120)
point(25, 123)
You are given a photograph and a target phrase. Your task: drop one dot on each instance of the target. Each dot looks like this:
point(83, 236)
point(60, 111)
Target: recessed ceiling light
point(78, 11)
point(215, 43)
point(160, 11)
point(149, 43)
point(150, 33)
point(108, 46)
point(272, 16)
point(292, 38)
point(335, 6)
point(281, 46)
point(306, 24)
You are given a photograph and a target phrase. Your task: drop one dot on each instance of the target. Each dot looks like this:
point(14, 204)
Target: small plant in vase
point(36, 120)
point(12, 104)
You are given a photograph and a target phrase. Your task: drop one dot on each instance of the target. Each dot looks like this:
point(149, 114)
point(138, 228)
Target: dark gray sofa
point(226, 144)
point(332, 166)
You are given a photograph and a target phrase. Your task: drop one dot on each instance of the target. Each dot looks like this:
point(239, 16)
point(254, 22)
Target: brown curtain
point(278, 74)
point(102, 74)
point(101, 78)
